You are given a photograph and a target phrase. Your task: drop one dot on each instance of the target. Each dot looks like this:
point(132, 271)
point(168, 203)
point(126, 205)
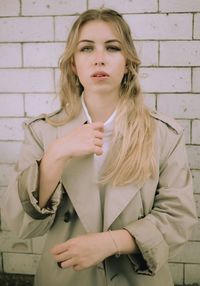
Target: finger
point(98, 134)
point(68, 263)
point(98, 150)
point(98, 142)
point(98, 126)
point(77, 268)
point(58, 249)
point(62, 257)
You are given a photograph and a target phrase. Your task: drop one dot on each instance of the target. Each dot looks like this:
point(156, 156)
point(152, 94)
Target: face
point(99, 61)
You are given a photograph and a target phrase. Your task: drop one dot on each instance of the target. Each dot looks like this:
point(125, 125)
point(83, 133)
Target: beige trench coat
point(160, 215)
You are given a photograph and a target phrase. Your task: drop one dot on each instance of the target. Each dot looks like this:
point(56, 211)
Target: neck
point(100, 107)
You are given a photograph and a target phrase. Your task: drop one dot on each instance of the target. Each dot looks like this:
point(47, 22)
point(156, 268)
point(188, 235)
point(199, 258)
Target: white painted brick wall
point(165, 79)
point(26, 263)
point(10, 55)
point(192, 273)
point(11, 105)
point(13, 154)
point(26, 29)
point(196, 131)
point(179, 105)
point(32, 37)
point(26, 80)
point(196, 182)
point(62, 27)
point(197, 26)
point(9, 7)
point(161, 26)
point(177, 271)
point(42, 54)
point(11, 129)
point(195, 80)
point(179, 5)
point(36, 104)
point(51, 7)
point(126, 6)
point(180, 53)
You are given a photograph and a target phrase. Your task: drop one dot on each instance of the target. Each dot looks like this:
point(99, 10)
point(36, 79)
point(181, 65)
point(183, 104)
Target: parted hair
point(131, 155)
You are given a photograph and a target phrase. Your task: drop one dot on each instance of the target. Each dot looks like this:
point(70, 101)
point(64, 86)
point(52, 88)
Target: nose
point(99, 59)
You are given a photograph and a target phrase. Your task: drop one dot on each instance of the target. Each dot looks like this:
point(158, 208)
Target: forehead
point(97, 29)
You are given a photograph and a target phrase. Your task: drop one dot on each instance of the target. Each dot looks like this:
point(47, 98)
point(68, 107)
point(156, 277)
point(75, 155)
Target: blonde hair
point(131, 155)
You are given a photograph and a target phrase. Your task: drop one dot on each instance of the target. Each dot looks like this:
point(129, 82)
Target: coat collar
point(80, 184)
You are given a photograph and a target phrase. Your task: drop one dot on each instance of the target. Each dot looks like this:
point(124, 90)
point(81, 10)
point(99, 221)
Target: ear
point(126, 69)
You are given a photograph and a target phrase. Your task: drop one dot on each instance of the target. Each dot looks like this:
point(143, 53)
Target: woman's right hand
point(84, 140)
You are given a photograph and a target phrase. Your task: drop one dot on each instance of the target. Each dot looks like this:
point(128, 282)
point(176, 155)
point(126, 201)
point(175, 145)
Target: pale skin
point(96, 52)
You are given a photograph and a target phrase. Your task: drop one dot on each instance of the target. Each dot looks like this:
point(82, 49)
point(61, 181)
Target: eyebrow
point(106, 42)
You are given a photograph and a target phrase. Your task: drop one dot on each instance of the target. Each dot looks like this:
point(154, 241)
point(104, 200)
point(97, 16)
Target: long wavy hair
point(131, 155)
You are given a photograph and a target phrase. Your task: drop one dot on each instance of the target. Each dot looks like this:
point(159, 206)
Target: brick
point(36, 104)
point(11, 105)
point(9, 152)
point(147, 52)
point(180, 53)
point(197, 26)
point(196, 181)
point(38, 244)
point(42, 55)
point(186, 125)
point(9, 7)
point(2, 192)
point(185, 106)
point(179, 6)
point(160, 27)
point(196, 131)
point(26, 263)
point(177, 273)
point(26, 29)
point(10, 55)
point(190, 253)
point(11, 128)
point(197, 200)
point(26, 80)
point(5, 174)
point(4, 226)
point(51, 7)
point(192, 274)
point(195, 80)
point(63, 26)
point(196, 232)
point(165, 79)
point(126, 6)
point(10, 243)
point(194, 156)
point(150, 100)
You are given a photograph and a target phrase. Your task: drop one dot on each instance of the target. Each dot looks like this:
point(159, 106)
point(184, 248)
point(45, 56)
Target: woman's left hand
point(83, 251)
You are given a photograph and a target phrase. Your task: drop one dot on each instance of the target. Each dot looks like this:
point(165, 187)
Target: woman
point(107, 178)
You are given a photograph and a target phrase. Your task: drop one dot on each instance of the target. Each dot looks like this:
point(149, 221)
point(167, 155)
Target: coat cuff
point(28, 189)
point(154, 251)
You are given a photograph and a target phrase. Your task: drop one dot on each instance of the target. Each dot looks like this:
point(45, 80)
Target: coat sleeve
point(161, 233)
point(20, 203)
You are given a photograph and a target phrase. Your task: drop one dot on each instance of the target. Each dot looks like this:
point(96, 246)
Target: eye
point(113, 48)
point(86, 49)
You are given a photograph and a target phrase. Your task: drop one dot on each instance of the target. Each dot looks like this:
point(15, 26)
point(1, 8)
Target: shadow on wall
point(27, 280)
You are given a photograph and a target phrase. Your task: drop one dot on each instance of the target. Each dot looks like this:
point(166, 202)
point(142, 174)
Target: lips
point(100, 74)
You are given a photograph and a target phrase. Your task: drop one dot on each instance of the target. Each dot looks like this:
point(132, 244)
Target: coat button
point(67, 216)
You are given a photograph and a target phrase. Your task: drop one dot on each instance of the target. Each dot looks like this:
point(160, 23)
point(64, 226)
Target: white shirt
point(99, 160)
point(107, 135)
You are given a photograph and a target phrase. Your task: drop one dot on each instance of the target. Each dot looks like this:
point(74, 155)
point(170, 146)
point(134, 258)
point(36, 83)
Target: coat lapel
point(79, 181)
point(116, 200)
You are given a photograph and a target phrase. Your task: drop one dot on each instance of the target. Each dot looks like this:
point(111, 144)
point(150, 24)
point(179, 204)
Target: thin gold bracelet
point(116, 246)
